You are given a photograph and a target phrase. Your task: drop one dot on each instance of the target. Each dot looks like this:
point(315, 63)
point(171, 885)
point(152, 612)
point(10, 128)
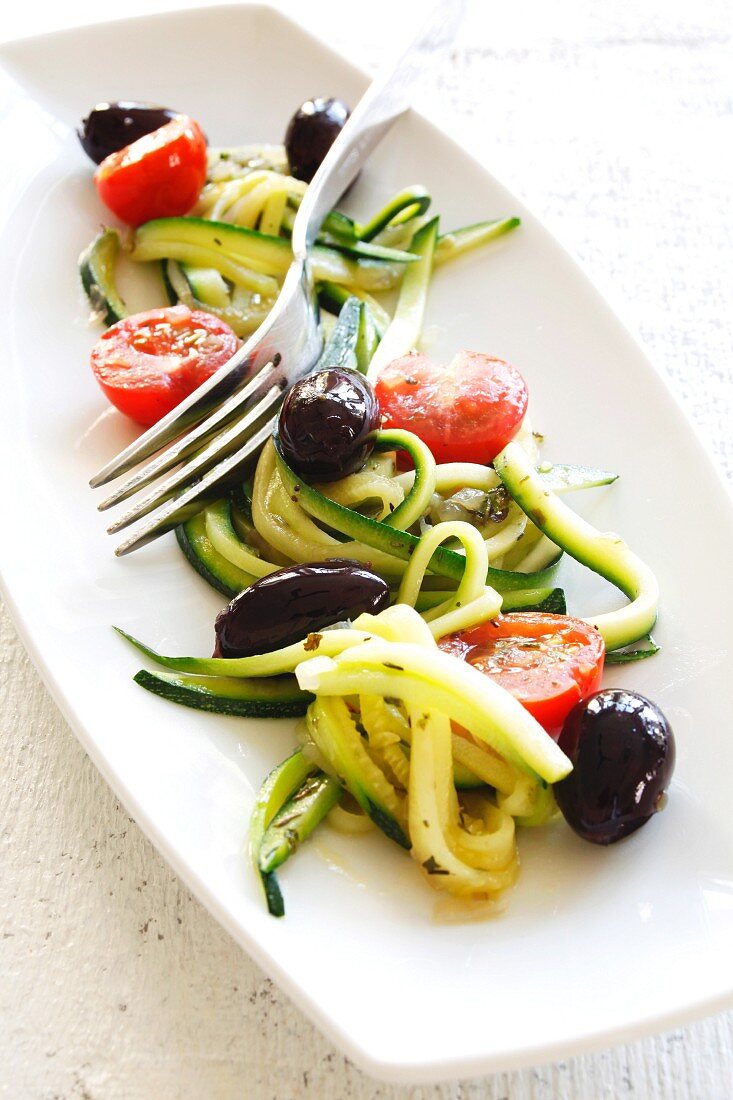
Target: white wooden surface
point(614, 123)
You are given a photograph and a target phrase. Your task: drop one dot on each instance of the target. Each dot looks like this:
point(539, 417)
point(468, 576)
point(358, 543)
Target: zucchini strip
point(267, 697)
point(407, 204)
point(97, 271)
point(251, 259)
point(383, 538)
point(332, 728)
point(290, 530)
point(559, 476)
point(224, 539)
point(434, 680)
point(473, 601)
point(454, 244)
point(272, 213)
point(404, 331)
point(330, 643)
point(628, 656)
point(605, 553)
point(280, 784)
point(332, 296)
point(367, 340)
point(363, 249)
point(365, 488)
point(215, 569)
point(550, 600)
point(439, 845)
point(418, 499)
point(296, 820)
point(242, 320)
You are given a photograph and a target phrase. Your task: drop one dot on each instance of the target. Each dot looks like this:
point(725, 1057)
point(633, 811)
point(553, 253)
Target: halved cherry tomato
point(548, 662)
point(466, 411)
point(147, 363)
point(158, 176)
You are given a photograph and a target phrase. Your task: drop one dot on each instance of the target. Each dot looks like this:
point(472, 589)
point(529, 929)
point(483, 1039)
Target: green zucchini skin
point(401, 544)
point(207, 286)
point(468, 237)
point(269, 697)
point(280, 785)
point(646, 647)
point(340, 351)
point(96, 269)
point(341, 746)
point(297, 819)
point(553, 603)
point(204, 243)
point(603, 552)
point(404, 331)
point(208, 562)
point(170, 291)
point(410, 203)
point(384, 820)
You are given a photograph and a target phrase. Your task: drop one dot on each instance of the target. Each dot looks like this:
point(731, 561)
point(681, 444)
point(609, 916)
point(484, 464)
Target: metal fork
point(212, 435)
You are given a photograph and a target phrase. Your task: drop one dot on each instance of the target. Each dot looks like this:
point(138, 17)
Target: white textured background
point(615, 123)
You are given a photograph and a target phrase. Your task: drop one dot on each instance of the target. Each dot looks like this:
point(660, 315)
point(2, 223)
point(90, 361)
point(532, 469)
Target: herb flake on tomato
point(149, 362)
point(466, 411)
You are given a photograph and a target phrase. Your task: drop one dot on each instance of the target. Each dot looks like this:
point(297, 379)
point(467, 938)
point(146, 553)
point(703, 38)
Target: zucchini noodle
point(474, 601)
point(224, 539)
point(385, 732)
point(361, 489)
point(437, 682)
point(604, 552)
point(402, 775)
point(288, 528)
point(418, 498)
point(334, 732)
point(451, 476)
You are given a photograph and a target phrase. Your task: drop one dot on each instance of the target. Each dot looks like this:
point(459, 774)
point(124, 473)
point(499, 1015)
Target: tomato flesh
point(147, 363)
point(466, 411)
point(158, 176)
point(548, 662)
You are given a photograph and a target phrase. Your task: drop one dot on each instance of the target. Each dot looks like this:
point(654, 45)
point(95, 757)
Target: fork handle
point(386, 98)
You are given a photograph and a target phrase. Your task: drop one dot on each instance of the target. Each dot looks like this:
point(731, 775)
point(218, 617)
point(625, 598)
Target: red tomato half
point(147, 363)
point(548, 662)
point(158, 176)
point(465, 412)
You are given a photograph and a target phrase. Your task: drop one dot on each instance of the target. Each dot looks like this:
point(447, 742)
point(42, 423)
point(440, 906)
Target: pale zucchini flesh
point(604, 552)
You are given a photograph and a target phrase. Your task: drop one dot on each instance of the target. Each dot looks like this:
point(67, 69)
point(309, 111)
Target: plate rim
point(399, 1072)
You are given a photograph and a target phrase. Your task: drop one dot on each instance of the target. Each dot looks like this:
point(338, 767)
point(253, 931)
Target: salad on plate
point(389, 559)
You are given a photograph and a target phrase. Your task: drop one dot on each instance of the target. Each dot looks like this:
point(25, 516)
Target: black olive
point(109, 127)
point(294, 602)
point(310, 134)
point(327, 424)
point(623, 752)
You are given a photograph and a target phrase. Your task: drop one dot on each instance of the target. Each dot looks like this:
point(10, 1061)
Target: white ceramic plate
point(595, 946)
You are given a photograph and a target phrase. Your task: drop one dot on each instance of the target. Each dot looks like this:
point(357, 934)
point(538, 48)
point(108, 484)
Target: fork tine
point(192, 441)
point(208, 395)
point(217, 448)
point(176, 511)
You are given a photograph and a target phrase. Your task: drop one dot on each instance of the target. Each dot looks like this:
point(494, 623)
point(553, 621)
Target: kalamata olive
point(310, 134)
point(109, 127)
point(298, 600)
point(623, 752)
point(327, 424)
